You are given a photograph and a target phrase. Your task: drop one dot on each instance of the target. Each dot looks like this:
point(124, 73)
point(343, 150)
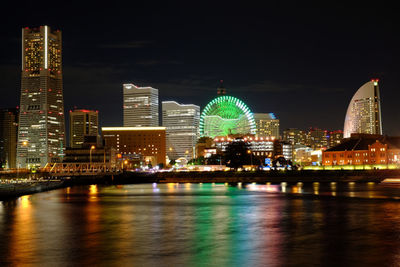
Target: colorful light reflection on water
point(204, 224)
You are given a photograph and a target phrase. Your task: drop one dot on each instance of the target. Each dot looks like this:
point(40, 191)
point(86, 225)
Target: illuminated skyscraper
point(182, 128)
point(140, 106)
point(41, 137)
point(82, 123)
point(267, 124)
point(364, 111)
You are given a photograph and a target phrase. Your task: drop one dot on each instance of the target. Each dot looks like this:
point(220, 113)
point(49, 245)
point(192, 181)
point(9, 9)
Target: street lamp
point(90, 154)
point(251, 156)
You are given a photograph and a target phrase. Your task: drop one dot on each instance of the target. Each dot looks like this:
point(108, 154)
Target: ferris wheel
point(226, 115)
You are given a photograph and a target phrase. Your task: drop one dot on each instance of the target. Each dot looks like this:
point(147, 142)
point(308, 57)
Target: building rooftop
point(362, 141)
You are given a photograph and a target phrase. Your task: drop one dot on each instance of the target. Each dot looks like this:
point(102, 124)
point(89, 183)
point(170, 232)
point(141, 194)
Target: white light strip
point(45, 47)
point(131, 128)
point(23, 50)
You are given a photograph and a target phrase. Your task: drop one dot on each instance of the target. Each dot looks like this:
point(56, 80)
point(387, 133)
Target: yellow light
point(92, 147)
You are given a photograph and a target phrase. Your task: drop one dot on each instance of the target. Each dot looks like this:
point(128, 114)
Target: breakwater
point(14, 188)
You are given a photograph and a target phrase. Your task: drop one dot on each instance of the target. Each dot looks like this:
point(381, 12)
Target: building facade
point(317, 138)
point(364, 111)
point(182, 129)
point(364, 149)
point(8, 137)
point(334, 138)
point(295, 136)
point(140, 106)
point(148, 143)
point(267, 125)
point(41, 132)
point(82, 122)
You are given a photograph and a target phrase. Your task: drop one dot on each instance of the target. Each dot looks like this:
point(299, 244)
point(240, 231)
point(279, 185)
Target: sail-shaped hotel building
point(364, 111)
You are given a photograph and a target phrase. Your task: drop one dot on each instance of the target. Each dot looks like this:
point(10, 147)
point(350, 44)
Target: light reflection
point(333, 188)
point(283, 187)
point(23, 228)
point(316, 188)
point(351, 188)
point(93, 191)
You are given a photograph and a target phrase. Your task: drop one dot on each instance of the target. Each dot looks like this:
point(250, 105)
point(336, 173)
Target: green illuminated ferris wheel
point(226, 115)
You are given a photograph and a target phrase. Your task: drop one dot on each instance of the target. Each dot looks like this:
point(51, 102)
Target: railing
point(65, 169)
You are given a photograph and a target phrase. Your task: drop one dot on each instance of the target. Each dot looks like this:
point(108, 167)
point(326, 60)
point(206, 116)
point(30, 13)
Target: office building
point(41, 132)
point(317, 138)
point(295, 136)
point(8, 137)
point(334, 138)
point(145, 142)
point(182, 128)
point(267, 124)
point(140, 106)
point(364, 111)
point(82, 123)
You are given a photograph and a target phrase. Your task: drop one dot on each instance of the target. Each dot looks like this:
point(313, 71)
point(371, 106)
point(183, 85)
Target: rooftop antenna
point(221, 89)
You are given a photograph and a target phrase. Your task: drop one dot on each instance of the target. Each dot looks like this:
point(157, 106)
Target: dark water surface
point(204, 225)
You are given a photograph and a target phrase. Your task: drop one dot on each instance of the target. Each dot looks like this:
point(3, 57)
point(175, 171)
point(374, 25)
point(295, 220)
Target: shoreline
point(15, 190)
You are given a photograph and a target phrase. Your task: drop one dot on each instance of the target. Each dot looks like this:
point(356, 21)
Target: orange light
point(92, 147)
point(119, 156)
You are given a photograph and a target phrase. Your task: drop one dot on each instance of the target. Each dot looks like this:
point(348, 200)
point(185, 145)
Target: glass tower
point(41, 132)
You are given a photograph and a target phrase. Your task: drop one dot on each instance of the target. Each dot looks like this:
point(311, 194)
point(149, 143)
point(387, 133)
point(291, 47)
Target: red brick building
point(365, 149)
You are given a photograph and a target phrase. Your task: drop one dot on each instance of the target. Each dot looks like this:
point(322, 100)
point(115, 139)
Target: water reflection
point(300, 224)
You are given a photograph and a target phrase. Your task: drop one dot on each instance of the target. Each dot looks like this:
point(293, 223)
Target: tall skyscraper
point(364, 111)
point(82, 122)
point(140, 106)
point(182, 128)
point(267, 124)
point(41, 132)
point(8, 137)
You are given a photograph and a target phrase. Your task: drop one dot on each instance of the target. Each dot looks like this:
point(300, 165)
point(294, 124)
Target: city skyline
point(273, 66)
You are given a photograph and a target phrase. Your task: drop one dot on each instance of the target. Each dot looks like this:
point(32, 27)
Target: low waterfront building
point(148, 142)
point(364, 149)
point(91, 154)
point(261, 147)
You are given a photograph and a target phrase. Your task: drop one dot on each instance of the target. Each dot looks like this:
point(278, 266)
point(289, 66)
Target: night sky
point(302, 63)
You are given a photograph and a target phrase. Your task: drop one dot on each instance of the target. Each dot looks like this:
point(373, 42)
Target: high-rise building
point(140, 106)
point(41, 132)
point(295, 136)
point(182, 128)
point(364, 111)
point(334, 138)
point(8, 137)
point(82, 122)
point(267, 124)
point(317, 138)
